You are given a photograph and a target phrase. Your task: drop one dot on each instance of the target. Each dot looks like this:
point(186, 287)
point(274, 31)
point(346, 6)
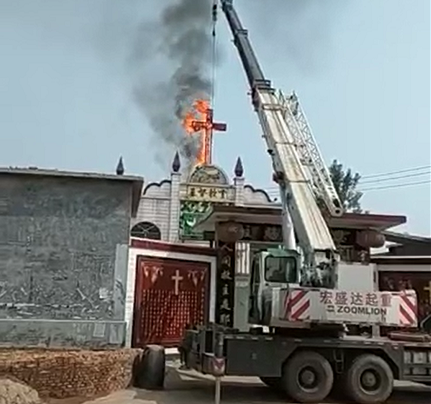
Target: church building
point(173, 262)
point(170, 209)
point(165, 221)
point(180, 273)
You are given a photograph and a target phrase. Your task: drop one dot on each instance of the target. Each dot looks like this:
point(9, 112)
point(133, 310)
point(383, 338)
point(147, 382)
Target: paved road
point(191, 388)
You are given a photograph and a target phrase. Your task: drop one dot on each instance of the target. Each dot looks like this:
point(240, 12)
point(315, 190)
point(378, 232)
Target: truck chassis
point(308, 369)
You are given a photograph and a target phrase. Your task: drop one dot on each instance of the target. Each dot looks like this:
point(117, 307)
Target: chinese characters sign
point(261, 233)
point(208, 193)
point(356, 303)
point(170, 295)
point(225, 283)
point(206, 186)
point(266, 233)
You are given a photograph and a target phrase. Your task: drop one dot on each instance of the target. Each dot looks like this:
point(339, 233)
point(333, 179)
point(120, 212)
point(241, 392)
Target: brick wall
point(70, 373)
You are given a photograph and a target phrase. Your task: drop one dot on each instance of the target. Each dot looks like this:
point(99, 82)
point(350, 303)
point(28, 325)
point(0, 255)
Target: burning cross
point(177, 279)
point(207, 126)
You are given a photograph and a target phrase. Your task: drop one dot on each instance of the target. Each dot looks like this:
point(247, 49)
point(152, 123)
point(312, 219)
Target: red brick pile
point(70, 373)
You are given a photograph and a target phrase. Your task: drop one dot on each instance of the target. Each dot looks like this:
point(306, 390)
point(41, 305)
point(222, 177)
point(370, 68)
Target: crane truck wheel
point(307, 377)
point(369, 380)
point(150, 372)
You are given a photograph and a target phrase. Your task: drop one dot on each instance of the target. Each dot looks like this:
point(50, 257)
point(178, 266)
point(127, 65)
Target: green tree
point(346, 183)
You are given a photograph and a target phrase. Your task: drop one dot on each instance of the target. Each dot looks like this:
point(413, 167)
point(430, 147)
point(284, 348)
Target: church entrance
point(170, 294)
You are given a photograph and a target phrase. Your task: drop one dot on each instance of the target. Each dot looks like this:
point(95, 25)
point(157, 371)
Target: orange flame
point(196, 121)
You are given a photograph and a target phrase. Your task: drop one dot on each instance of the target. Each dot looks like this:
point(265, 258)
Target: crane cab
point(271, 268)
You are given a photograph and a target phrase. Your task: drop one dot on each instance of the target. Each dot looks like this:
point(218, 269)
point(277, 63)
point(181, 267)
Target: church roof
point(406, 238)
point(367, 221)
point(135, 181)
point(401, 259)
point(272, 215)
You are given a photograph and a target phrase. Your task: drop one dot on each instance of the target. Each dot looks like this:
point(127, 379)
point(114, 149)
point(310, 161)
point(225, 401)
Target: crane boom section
point(249, 60)
point(293, 114)
point(310, 225)
point(310, 153)
point(319, 254)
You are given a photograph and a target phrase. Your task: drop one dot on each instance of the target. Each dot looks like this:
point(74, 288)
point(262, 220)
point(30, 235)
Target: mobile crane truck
point(306, 352)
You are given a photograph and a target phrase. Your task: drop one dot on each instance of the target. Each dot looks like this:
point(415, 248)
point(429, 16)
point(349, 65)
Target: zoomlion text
point(368, 311)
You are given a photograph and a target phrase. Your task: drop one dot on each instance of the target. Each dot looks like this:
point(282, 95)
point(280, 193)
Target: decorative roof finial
point(176, 164)
point(120, 167)
point(239, 169)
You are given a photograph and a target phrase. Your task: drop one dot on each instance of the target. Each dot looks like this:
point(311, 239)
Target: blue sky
point(360, 67)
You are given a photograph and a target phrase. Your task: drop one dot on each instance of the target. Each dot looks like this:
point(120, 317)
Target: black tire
point(273, 382)
point(151, 371)
point(136, 369)
point(307, 377)
point(369, 380)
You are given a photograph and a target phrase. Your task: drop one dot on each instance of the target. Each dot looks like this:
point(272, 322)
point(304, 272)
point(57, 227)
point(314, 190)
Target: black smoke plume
point(173, 57)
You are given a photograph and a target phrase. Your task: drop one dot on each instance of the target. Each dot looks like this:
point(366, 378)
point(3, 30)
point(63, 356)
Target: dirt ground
point(184, 387)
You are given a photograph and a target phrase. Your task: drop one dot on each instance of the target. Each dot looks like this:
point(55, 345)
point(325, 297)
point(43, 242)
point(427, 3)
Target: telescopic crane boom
point(291, 151)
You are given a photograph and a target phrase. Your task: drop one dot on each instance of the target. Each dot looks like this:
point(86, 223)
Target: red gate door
point(170, 294)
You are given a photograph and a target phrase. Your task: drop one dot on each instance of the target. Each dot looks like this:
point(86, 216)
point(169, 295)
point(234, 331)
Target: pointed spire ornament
point(239, 169)
point(120, 167)
point(176, 164)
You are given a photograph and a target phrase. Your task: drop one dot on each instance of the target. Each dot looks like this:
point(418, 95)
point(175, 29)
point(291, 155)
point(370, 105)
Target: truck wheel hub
point(307, 378)
point(369, 380)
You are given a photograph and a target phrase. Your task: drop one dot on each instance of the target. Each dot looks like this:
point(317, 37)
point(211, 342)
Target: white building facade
point(169, 209)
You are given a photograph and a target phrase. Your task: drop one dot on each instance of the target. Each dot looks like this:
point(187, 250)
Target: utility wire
point(274, 192)
point(394, 178)
point(378, 177)
point(406, 184)
point(407, 170)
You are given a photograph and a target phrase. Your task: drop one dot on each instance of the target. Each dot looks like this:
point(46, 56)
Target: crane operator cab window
point(281, 269)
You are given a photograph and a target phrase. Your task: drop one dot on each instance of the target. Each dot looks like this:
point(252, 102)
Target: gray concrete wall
point(63, 260)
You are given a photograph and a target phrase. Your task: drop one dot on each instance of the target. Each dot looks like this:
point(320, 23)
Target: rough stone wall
point(70, 373)
point(61, 259)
